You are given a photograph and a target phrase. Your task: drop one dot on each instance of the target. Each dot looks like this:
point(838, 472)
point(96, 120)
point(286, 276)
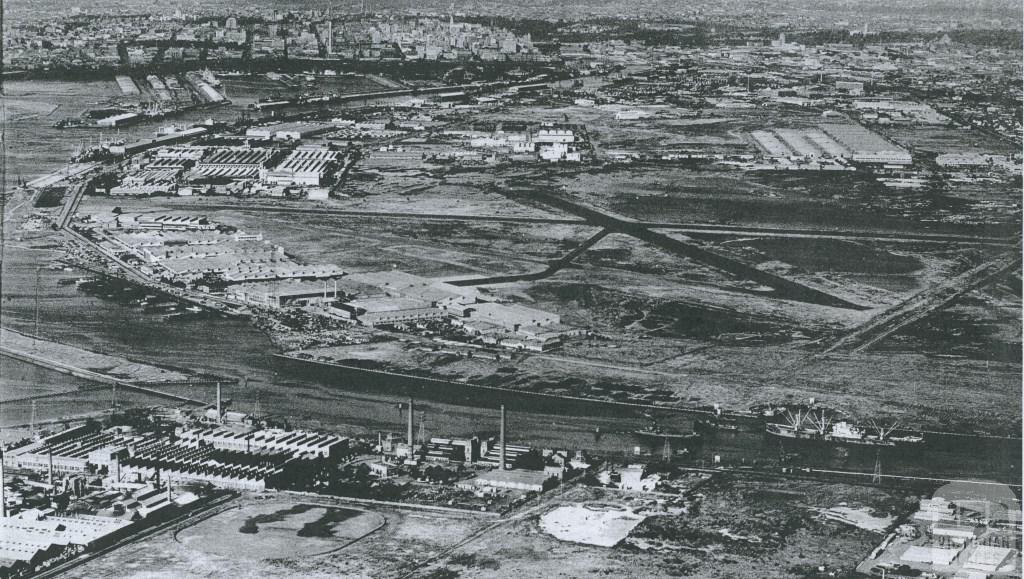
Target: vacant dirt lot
point(278, 538)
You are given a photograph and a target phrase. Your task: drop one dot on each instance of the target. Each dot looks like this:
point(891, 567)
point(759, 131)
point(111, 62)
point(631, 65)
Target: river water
point(350, 403)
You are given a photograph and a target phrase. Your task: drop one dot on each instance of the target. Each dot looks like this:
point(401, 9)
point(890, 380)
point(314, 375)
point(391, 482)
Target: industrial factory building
point(491, 453)
point(70, 451)
point(388, 310)
point(304, 167)
point(831, 141)
point(250, 460)
point(285, 294)
point(452, 450)
point(244, 250)
point(866, 146)
point(204, 464)
point(160, 222)
point(289, 131)
point(161, 141)
point(33, 540)
point(245, 266)
point(511, 316)
point(297, 443)
point(237, 163)
point(147, 182)
point(552, 133)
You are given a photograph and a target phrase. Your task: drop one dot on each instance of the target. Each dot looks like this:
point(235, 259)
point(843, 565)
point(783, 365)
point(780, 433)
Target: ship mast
point(884, 432)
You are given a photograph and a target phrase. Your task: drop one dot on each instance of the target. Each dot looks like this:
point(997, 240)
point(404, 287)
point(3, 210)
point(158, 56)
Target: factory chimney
point(3, 492)
point(501, 441)
point(218, 404)
point(49, 470)
point(330, 32)
point(409, 428)
point(168, 489)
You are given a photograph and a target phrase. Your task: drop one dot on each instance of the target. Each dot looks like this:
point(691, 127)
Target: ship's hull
point(828, 439)
point(662, 435)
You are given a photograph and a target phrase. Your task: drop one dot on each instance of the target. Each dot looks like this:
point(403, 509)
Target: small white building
point(629, 115)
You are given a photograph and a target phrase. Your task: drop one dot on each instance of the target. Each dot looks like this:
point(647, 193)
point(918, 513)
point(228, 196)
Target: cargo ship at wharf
point(818, 426)
point(656, 431)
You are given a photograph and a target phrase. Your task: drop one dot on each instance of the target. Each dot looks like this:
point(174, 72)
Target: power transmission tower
point(666, 451)
point(876, 476)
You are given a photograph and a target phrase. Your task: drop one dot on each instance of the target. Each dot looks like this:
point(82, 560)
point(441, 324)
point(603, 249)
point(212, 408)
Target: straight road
point(922, 304)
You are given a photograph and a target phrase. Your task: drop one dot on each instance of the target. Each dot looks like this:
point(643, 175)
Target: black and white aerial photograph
point(435, 289)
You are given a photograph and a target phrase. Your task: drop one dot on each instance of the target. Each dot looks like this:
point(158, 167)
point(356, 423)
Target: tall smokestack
point(501, 440)
point(168, 489)
point(218, 404)
point(330, 33)
point(409, 428)
point(3, 492)
point(49, 469)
